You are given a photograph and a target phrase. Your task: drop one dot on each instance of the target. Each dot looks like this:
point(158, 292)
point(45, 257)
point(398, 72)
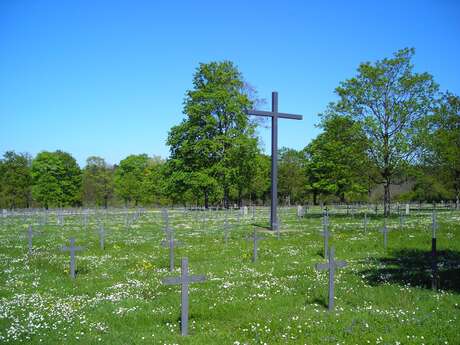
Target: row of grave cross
point(186, 279)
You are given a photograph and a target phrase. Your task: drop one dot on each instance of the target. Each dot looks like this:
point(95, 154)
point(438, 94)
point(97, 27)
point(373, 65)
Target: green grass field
point(382, 297)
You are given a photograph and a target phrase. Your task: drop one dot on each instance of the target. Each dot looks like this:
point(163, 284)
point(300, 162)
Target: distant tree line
point(389, 125)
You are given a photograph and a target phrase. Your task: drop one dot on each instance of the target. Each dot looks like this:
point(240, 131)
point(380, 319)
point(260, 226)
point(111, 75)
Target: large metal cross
point(331, 266)
point(185, 279)
point(274, 114)
point(72, 249)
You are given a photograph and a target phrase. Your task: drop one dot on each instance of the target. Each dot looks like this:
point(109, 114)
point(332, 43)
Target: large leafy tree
point(129, 176)
point(56, 179)
point(443, 154)
point(153, 186)
point(291, 175)
point(15, 180)
point(260, 184)
point(337, 162)
point(97, 182)
point(390, 101)
point(214, 143)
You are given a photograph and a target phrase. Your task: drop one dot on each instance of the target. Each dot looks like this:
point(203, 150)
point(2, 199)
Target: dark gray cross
point(185, 279)
point(331, 266)
point(384, 231)
point(434, 265)
point(325, 233)
point(255, 239)
point(101, 236)
point(171, 243)
point(72, 249)
point(274, 114)
point(434, 224)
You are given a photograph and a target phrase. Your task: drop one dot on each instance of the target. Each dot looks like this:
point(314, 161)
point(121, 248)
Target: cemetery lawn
point(118, 296)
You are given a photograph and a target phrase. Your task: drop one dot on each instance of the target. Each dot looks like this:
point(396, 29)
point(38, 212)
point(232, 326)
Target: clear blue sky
point(108, 78)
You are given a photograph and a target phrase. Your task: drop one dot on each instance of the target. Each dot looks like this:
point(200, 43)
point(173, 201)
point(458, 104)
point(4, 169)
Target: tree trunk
point(226, 197)
point(206, 199)
point(386, 198)
point(315, 197)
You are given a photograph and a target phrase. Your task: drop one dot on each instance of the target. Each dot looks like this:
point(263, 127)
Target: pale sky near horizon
point(108, 78)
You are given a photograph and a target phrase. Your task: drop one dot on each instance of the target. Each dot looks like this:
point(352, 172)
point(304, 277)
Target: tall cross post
point(185, 279)
point(325, 233)
point(274, 114)
point(331, 266)
point(434, 265)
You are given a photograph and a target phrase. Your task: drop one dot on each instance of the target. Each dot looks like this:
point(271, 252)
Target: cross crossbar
point(272, 114)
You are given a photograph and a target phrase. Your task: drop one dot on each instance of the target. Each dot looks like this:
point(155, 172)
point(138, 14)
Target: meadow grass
point(382, 297)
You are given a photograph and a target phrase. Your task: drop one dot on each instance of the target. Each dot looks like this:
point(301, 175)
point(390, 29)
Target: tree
point(337, 162)
point(260, 185)
point(97, 182)
point(56, 179)
point(153, 184)
point(214, 142)
point(129, 175)
point(443, 143)
point(291, 175)
point(390, 101)
point(15, 180)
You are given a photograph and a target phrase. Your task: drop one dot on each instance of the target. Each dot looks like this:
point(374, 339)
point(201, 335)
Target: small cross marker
point(101, 236)
point(255, 239)
point(171, 243)
point(72, 249)
point(331, 266)
point(185, 280)
point(384, 231)
point(30, 235)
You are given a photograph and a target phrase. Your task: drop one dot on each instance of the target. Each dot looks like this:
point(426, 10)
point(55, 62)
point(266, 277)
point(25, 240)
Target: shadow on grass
point(412, 266)
point(261, 226)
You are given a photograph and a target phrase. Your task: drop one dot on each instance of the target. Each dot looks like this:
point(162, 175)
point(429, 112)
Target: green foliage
point(291, 175)
point(15, 180)
point(337, 159)
point(153, 182)
point(97, 182)
point(214, 146)
point(129, 178)
point(390, 101)
point(56, 179)
point(443, 143)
